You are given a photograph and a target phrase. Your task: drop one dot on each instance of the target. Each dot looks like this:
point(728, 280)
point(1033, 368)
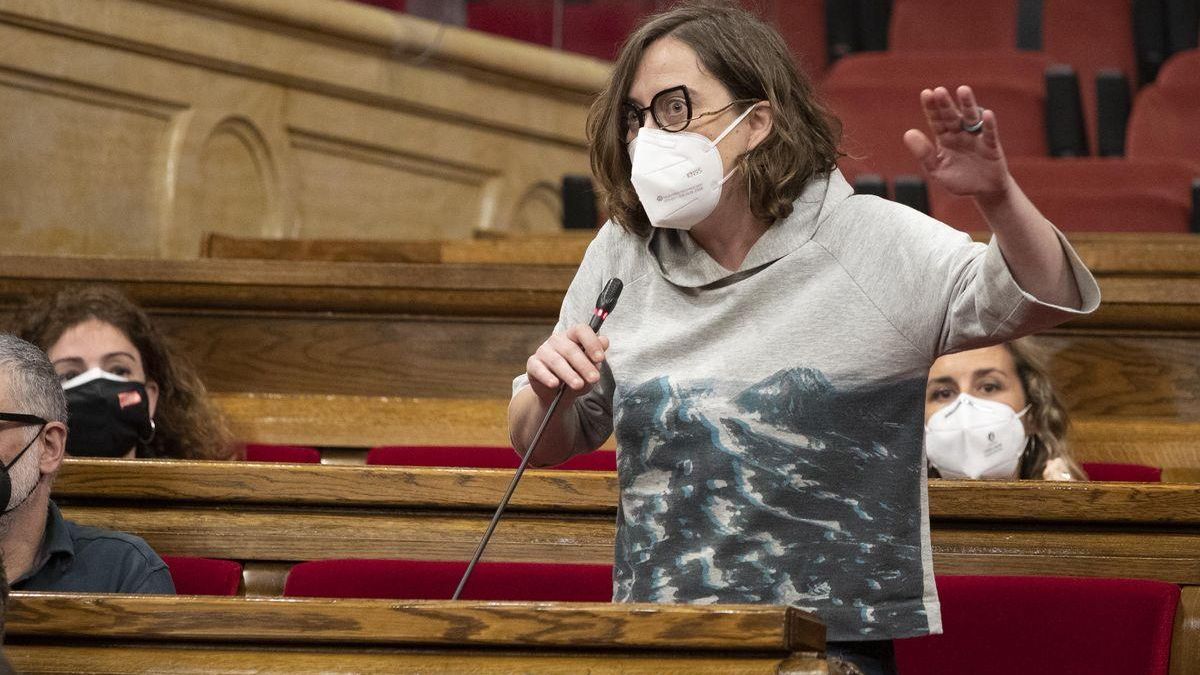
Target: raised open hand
point(963, 157)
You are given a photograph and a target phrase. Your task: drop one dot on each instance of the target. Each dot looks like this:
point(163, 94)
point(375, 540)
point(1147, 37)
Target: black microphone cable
point(604, 306)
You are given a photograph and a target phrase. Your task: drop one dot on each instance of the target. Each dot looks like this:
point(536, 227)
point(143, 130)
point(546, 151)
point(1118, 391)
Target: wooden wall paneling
point(1125, 375)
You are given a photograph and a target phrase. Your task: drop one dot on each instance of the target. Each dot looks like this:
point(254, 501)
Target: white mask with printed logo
point(677, 175)
point(976, 438)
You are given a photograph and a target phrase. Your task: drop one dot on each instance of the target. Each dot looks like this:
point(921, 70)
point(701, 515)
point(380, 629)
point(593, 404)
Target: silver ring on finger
point(976, 128)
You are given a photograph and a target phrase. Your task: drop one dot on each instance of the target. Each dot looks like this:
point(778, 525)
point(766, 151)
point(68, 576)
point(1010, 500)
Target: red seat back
point(204, 576)
point(877, 97)
point(1164, 124)
point(478, 457)
point(921, 25)
point(1181, 71)
point(256, 452)
point(1035, 625)
point(1091, 195)
point(1126, 473)
point(1090, 36)
point(436, 580)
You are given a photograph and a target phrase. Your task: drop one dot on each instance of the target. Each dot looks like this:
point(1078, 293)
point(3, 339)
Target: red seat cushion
point(1128, 473)
point(1034, 625)
point(204, 576)
point(479, 457)
point(436, 580)
point(282, 453)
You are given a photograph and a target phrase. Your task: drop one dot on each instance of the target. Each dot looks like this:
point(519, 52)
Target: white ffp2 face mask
point(677, 175)
point(976, 438)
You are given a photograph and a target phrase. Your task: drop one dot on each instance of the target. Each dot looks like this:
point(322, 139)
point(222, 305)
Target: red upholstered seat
point(1164, 124)
point(1092, 195)
point(436, 580)
point(1128, 473)
point(1181, 71)
point(877, 97)
point(282, 453)
point(942, 24)
point(1088, 35)
point(1047, 625)
point(1091, 36)
point(204, 576)
point(479, 457)
point(1036, 625)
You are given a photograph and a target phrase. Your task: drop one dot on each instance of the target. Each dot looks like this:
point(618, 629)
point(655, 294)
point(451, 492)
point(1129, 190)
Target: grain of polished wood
point(735, 628)
point(281, 534)
point(464, 331)
point(1185, 647)
point(340, 487)
point(194, 483)
point(270, 513)
point(141, 658)
point(566, 249)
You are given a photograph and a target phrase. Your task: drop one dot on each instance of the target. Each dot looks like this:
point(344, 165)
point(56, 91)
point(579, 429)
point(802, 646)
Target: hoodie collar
point(683, 262)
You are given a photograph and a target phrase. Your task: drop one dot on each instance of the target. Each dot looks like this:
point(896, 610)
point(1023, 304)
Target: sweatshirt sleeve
point(595, 408)
point(942, 291)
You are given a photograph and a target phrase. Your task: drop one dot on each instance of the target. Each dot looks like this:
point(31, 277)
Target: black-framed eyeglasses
point(671, 110)
point(22, 418)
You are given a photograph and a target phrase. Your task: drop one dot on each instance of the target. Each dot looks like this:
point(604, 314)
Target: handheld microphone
point(604, 306)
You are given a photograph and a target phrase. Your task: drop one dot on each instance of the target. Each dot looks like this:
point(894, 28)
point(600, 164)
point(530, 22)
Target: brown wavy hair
point(187, 424)
point(752, 61)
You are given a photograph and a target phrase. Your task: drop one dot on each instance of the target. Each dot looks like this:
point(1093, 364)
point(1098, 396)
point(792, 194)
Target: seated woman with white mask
point(129, 394)
point(993, 413)
point(764, 370)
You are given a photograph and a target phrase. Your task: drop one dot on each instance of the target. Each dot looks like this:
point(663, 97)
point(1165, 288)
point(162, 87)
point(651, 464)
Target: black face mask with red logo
point(107, 415)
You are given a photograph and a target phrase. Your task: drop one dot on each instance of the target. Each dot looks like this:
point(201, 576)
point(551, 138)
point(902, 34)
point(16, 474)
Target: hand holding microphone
point(569, 363)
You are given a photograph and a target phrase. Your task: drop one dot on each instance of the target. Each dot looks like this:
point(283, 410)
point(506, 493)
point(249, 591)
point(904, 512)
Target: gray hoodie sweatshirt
point(770, 421)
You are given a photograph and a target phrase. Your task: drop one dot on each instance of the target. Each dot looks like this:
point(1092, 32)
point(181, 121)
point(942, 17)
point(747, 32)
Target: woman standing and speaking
point(765, 369)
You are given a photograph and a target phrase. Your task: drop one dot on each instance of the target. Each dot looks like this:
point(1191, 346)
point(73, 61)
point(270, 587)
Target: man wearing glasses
point(42, 551)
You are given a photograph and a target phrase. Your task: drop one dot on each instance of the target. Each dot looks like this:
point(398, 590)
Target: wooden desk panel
point(365, 421)
point(125, 633)
point(265, 513)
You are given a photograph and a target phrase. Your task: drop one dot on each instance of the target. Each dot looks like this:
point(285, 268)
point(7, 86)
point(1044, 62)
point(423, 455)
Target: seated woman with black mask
point(128, 392)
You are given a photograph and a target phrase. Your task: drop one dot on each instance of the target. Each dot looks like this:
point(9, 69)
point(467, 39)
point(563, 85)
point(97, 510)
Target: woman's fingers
point(991, 132)
point(563, 366)
point(921, 148)
point(570, 358)
point(539, 374)
point(971, 113)
point(588, 341)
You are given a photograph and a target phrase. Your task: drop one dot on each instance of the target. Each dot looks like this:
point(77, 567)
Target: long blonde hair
point(1047, 416)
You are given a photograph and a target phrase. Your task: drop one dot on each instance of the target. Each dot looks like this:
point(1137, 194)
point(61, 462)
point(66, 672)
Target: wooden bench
point(272, 516)
point(81, 633)
point(288, 513)
point(464, 331)
point(345, 425)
